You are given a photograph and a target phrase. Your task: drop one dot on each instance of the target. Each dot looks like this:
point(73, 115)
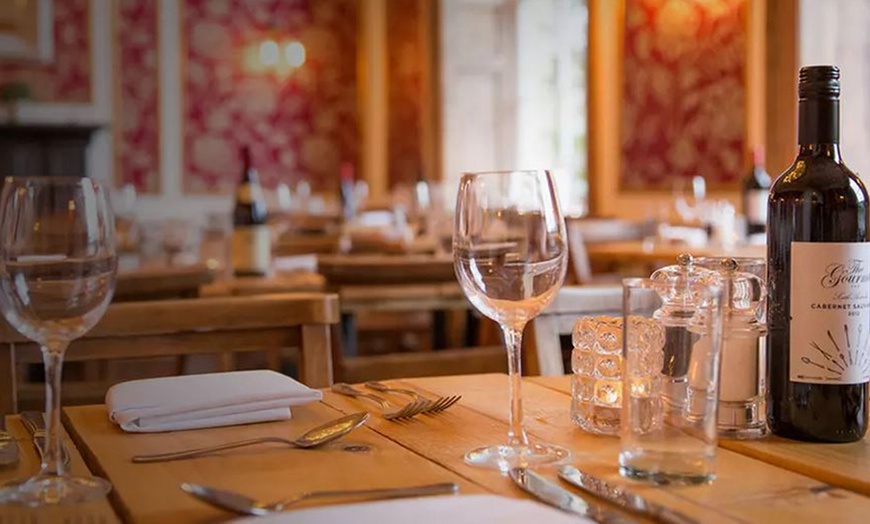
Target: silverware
point(388, 411)
point(318, 436)
point(622, 497)
point(8, 446)
point(435, 406)
point(34, 421)
point(561, 498)
point(232, 501)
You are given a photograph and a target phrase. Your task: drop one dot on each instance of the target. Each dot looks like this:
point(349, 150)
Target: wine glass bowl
point(57, 277)
point(510, 253)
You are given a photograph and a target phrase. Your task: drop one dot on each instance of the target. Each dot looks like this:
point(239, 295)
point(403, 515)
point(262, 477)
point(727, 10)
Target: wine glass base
point(504, 457)
point(51, 490)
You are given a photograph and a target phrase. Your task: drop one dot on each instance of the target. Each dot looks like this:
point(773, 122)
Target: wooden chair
point(137, 330)
point(542, 352)
point(585, 231)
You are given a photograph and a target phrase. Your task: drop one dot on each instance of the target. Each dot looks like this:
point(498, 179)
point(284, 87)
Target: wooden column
point(781, 92)
point(373, 100)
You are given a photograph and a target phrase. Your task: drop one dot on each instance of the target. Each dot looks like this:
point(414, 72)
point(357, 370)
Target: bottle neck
point(819, 126)
point(249, 176)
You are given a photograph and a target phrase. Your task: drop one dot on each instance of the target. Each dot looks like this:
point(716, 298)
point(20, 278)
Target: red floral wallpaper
point(137, 85)
point(683, 110)
point(68, 77)
point(304, 125)
point(404, 48)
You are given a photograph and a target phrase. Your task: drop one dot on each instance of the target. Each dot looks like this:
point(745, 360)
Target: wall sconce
point(275, 56)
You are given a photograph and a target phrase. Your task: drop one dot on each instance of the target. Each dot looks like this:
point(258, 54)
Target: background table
point(430, 449)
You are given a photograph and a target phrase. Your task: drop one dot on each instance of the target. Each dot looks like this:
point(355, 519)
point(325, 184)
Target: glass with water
point(658, 444)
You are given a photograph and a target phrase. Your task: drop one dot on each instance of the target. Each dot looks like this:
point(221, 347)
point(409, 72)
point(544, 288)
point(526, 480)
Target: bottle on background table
point(756, 189)
point(819, 280)
point(252, 243)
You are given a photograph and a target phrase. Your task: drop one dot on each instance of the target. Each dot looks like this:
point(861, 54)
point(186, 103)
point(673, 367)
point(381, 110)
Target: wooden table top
point(342, 270)
point(99, 512)
point(752, 486)
point(643, 252)
point(162, 282)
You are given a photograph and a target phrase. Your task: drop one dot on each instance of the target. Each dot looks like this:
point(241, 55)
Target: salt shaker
point(675, 286)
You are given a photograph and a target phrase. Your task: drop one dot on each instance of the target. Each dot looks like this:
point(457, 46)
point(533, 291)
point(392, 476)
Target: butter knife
point(622, 497)
point(35, 424)
point(8, 446)
point(561, 498)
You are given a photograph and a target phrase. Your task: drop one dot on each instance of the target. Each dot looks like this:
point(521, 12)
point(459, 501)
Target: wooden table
point(398, 283)
point(777, 486)
point(98, 512)
point(647, 253)
point(162, 282)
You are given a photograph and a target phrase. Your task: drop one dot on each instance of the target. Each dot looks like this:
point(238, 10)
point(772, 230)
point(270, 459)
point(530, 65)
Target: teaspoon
point(316, 437)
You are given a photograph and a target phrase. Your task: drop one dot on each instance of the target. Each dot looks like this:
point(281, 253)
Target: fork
point(388, 411)
point(436, 406)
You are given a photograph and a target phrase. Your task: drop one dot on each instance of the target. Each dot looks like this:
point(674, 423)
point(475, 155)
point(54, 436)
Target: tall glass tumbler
point(667, 446)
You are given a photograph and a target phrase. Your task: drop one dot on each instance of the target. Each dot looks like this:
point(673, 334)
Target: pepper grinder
point(742, 383)
point(675, 286)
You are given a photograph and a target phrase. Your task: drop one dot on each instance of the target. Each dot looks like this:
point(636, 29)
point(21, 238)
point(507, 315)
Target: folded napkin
point(205, 401)
point(471, 509)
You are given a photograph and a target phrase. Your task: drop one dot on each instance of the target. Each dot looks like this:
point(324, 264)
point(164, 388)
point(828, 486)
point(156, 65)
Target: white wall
point(171, 203)
point(835, 32)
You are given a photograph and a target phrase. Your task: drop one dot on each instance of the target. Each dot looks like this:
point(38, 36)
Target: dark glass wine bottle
point(756, 189)
point(819, 280)
point(252, 246)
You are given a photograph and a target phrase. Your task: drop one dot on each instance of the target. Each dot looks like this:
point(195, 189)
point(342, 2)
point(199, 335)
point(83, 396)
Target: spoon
point(312, 438)
point(238, 503)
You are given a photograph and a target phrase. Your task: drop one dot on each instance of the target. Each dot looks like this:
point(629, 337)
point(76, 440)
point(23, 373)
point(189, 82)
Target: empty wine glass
point(509, 250)
point(57, 276)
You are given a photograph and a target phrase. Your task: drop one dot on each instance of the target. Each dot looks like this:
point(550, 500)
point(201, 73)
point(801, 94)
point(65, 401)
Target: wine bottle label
point(830, 312)
point(252, 249)
point(249, 193)
point(756, 206)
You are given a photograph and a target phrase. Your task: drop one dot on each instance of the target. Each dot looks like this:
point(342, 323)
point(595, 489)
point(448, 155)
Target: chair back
point(543, 354)
point(168, 328)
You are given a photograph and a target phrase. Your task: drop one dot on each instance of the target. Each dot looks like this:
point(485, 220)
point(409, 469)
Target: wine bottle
point(756, 189)
point(819, 280)
point(346, 191)
point(252, 246)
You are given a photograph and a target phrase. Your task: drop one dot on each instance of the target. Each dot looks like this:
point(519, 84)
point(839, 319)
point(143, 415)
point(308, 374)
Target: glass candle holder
point(596, 387)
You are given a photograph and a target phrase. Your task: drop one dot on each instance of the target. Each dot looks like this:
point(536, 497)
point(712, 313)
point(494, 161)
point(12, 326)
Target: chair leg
point(316, 367)
point(228, 361)
point(8, 380)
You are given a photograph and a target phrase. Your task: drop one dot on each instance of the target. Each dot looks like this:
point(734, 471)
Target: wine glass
point(57, 276)
point(510, 252)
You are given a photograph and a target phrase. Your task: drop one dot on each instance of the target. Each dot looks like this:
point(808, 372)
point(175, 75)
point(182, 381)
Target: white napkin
point(205, 401)
point(470, 509)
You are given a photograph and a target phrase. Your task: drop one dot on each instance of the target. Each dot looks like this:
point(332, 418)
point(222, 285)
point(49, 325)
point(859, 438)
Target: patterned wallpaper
point(68, 77)
point(404, 48)
point(683, 110)
point(301, 126)
point(136, 90)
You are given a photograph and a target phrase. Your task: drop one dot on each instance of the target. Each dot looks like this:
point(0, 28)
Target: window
point(514, 90)
point(834, 32)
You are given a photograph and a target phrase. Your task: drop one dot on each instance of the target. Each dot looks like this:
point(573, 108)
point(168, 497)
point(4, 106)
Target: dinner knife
point(34, 421)
point(8, 446)
point(622, 497)
point(561, 498)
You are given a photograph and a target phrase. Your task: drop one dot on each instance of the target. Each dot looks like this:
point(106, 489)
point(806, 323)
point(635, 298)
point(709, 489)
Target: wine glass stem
point(513, 340)
point(52, 357)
